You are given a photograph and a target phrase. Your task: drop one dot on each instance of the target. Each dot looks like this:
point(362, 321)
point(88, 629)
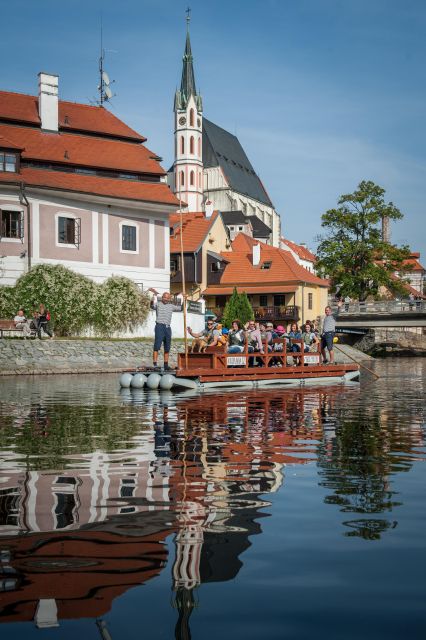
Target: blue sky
point(321, 93)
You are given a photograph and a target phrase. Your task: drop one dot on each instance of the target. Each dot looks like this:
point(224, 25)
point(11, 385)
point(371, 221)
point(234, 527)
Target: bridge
point(359, 317)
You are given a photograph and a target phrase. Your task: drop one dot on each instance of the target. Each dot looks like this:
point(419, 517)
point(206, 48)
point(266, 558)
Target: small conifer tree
point(238, 306)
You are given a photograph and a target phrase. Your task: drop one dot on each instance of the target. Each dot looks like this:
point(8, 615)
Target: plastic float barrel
point(125, 380)
point(167, 381)
point(138, 381)
point(153, 381)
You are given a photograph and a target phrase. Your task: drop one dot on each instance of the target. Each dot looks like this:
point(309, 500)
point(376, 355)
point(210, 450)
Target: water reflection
point(95, 481)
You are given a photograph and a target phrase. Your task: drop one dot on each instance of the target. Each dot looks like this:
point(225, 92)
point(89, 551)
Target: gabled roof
point(260, 229)
point(301, 250)
point(195, 229)
point(157, 192)
point(88, 151)
point(221, 148)
point(23, 108)
point(413, 264)
point(283, 267)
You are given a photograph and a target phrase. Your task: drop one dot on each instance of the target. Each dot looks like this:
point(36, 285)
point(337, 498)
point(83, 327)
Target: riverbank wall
point(23, 357)
point(76, 356)
point(382, 342)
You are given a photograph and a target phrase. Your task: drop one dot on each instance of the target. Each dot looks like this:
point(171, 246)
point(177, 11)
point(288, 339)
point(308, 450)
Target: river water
point(253, 514)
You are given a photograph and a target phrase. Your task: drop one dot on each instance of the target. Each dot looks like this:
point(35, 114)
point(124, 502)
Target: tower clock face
point(182, 120)
point(199, 122)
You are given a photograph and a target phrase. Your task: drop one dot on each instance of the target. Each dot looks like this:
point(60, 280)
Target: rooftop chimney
point(48, 101)
point(256, 255)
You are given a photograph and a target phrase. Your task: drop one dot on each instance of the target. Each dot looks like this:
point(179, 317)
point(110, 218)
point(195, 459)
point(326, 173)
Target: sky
point(321, 93)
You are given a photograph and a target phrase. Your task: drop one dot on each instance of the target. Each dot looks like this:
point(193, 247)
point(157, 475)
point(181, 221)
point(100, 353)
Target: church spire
point(187, 85)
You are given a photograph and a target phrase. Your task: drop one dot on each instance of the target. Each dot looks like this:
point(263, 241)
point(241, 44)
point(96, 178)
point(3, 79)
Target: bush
point(76, 302)
point(237, 307)
point(119, 305)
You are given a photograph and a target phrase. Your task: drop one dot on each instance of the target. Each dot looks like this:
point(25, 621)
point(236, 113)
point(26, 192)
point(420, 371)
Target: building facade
point(78, 187)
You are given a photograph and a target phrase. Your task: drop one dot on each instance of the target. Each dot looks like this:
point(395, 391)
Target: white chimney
point(48, 100)
point(209, 208)
point(256, 255)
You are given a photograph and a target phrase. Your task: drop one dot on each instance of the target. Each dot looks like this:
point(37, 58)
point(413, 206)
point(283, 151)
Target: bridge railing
point(384, 306)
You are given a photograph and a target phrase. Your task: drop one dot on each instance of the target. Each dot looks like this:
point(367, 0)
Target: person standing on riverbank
point(328, 329)
point(163, 332)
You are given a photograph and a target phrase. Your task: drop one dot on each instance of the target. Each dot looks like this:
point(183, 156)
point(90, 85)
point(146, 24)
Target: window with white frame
point(129, 237)
point(11, 224)
point(8, 162)
point(68, 230)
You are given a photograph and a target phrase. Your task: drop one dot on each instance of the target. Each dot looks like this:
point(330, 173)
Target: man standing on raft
point(328, 331)
point(163, 332)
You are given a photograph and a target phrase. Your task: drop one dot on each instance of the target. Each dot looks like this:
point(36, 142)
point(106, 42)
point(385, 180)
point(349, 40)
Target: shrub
point(76, 302)
point(119, 305)
point(238, 306)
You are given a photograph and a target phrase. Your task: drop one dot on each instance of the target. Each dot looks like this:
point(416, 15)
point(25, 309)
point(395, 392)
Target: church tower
point(188, 110)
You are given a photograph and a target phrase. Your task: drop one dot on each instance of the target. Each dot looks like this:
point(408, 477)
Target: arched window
point(191, 145)
point(191, 117)
point(199, 147)
point(191, 178)
point(182, 144)
point(182, 179)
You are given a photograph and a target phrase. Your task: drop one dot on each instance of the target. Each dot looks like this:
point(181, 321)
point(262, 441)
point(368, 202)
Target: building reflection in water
point(91, 493)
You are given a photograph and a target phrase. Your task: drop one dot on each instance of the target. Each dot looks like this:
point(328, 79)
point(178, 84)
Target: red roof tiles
point(283, 267)
point(157, 192)
point(195, 228)
point(73, 149)
point(20, 107)
point(300, 250)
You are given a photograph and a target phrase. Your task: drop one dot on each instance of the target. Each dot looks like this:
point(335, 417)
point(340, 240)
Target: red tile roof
point(195, 228)
point(283, 269)
point(73, 149)
point(7, 144)
point(157, 192)
point(300, 250)
point(19, 107)
point(413, 264)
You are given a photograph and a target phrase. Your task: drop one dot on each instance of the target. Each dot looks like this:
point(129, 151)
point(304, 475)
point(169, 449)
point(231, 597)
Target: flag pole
point(182, 268)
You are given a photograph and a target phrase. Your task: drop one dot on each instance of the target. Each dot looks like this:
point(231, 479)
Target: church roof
point(221, 148)
point(187, 84)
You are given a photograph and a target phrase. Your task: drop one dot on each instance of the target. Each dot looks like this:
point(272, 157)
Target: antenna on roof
point(104, 88)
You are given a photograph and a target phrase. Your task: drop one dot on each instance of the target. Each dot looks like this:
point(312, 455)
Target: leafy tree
point(353, 253)
point(237, 307)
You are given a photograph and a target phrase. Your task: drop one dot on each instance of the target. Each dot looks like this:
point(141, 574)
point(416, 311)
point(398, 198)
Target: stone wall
point(75, 356)
point(393, 341)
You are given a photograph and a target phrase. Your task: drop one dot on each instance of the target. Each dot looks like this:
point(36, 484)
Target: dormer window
point(9, 162)
point(266, 265)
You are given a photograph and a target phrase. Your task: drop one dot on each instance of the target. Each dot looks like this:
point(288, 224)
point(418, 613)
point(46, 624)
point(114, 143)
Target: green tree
point(353, 253)
point(237, 307)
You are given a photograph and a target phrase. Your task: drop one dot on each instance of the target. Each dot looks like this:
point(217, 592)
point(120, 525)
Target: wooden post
point(182, 268)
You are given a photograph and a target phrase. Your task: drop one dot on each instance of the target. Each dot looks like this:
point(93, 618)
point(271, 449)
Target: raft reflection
point(92, 491)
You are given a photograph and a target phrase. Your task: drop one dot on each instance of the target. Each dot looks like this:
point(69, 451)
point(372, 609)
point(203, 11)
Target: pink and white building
point(79, 187)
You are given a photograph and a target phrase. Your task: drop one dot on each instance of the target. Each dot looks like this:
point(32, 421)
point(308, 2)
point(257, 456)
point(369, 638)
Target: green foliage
point(119, 305)
point(353, 253)
point(237, 307)
point(76, 302)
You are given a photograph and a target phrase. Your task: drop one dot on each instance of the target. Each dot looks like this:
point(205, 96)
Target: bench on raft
point(218, 357)
point(8, 326)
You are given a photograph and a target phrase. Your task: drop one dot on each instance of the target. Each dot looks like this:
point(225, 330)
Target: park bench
point(8, 326)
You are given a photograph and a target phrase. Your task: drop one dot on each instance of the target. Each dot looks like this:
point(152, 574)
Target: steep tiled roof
point(225, 291)
point(7, 144)
point(283, 267)
point(88, 151)
point(195, 228)
point(413, 264)
point(157, 192)
point(23, 108)
point(300, 250)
